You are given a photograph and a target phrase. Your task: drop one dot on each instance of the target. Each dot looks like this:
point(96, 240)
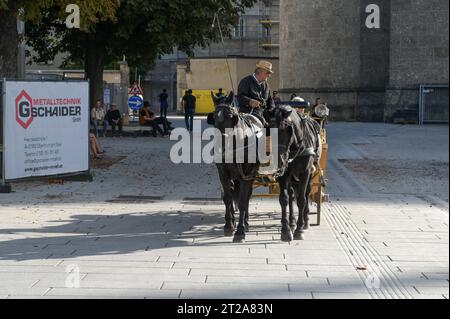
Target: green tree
point(35, 12)
point(142, 31)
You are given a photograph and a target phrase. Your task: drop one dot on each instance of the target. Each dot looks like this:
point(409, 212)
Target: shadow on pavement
point(97, 235)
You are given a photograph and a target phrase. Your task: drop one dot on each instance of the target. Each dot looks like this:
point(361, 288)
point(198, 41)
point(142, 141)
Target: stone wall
point(364, 74)
point(319, 52)
point(419, 51)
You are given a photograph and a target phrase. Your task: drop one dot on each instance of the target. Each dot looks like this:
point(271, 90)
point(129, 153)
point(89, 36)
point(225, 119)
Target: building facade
point(365, 70)
point(255, 36)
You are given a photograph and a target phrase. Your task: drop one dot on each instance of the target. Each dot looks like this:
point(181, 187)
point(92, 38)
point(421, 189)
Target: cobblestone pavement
point(147, 228)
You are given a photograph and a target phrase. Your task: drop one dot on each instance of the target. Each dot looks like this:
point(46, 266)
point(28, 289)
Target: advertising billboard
point(46, 128)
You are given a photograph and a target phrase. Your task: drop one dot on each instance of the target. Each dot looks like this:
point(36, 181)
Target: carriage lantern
point(322, 111)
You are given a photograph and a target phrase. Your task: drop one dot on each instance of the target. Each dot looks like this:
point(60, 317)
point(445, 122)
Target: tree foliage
point(140, 29)
point(37, 12)
point(94, 11)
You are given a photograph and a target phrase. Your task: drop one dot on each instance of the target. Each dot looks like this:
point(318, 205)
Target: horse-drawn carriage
point(296, 173)
point(268, 181)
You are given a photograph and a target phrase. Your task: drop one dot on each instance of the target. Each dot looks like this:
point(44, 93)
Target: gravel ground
point(386, 158)
point(402, 176)
point(132, 167)
point(394, 159)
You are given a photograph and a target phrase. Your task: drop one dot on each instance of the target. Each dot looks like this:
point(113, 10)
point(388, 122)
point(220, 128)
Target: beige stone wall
point(211, 74)
point(206, 74)
point(109, 76)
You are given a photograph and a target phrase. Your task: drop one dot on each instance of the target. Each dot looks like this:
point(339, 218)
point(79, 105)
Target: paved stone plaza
point(146, 228)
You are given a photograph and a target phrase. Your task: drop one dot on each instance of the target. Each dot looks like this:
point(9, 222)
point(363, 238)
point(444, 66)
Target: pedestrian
point(98, 118)
point(189, 103)
point(164, 105)
point(115, 119)
point(220, 94)
point(276, 99)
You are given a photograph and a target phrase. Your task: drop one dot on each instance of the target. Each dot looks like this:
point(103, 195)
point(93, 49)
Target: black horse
point(236, 177)
point(299, 148)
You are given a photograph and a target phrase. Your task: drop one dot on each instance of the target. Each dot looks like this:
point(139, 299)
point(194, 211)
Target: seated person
point(98, 118)
point(115, 119)
point(95, 147)
point(300, 100)
point(148, 118)
point(254, 95)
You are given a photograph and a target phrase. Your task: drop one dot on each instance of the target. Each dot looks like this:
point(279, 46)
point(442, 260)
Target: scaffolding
point(270, 21)
point(257, 33)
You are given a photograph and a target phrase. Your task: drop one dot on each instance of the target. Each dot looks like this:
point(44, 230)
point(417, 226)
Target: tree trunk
point(94, 66)
point(9, 40)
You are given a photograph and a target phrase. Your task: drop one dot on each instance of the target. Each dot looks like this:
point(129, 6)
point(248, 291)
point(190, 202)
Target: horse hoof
point(238, 239)
point(292, 227)
point(299, 235)
point(247, 227)
point(306, 226)
point(286, 235)
point(228, 232)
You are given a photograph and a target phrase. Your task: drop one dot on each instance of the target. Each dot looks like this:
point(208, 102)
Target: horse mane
point(306, 129)
point(297, 126)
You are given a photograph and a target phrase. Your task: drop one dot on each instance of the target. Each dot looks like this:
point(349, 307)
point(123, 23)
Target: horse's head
point(286, 120)
point(225, 114)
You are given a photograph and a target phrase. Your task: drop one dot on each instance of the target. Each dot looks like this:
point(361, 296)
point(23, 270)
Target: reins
point(287, 159)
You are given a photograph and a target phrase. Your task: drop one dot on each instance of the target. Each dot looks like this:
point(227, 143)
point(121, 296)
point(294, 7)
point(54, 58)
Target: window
point(265, 31)
point(239, 30)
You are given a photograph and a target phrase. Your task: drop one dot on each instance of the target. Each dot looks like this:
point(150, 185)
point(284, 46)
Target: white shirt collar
point(254, 76)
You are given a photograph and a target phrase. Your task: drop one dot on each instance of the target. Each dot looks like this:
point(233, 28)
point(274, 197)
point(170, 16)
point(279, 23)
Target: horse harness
point(249, 121)
point(309, 130)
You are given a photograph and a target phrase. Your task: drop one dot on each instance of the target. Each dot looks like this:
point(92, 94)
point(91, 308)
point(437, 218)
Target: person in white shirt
point(98, 118)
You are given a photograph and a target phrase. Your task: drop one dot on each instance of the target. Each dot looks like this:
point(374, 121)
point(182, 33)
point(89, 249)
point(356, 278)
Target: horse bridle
point(232, 107)
point(286, 159)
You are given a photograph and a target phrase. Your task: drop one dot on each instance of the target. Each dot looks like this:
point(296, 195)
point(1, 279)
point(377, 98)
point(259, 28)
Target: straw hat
point(265, 65)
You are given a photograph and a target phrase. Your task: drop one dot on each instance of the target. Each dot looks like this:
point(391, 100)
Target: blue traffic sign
point(135, 102)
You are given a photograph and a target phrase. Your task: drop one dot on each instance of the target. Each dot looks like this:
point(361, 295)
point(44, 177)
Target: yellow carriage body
point(270, 182)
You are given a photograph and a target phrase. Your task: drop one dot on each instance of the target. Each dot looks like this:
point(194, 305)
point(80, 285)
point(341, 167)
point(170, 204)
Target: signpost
point(135, 102)
point(135, 89)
